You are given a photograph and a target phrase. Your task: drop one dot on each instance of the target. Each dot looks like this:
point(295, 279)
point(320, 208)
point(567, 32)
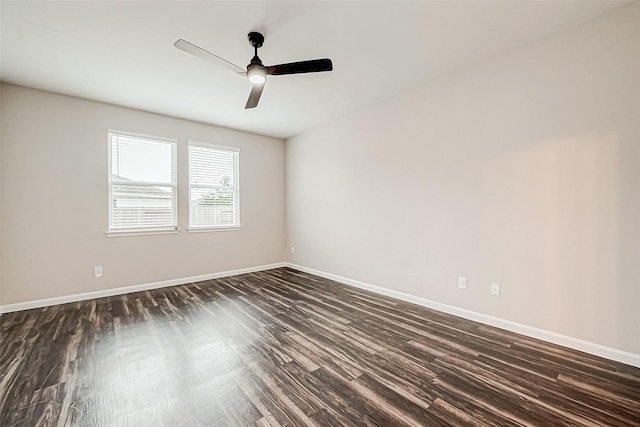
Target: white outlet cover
point(462, 282)
point(495, 289)
point(97, 270)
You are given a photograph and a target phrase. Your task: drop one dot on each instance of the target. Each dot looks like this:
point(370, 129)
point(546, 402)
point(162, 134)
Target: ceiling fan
point(256, 72)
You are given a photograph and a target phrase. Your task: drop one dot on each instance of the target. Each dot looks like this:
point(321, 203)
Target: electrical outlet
point(293, 250)
point(495, 289)
point(462, 282)
point(97, 270)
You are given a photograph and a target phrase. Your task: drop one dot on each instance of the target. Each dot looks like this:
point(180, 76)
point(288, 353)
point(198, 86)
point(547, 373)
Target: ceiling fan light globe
point(257, 75)
point(257, 79)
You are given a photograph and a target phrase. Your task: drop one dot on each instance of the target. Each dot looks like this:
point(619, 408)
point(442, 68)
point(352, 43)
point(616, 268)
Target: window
point(213, 186)
point(142, 183)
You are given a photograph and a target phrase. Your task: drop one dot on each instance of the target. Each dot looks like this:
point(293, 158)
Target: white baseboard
point(574, 343)
point(552, 337)
point(27, 305)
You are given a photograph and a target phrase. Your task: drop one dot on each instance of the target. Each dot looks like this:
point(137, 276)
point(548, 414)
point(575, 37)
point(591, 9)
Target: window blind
point(142, 182)
point(213, 186)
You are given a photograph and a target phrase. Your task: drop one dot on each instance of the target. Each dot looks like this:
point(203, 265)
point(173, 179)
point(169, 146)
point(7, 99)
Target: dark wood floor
point(286, 348)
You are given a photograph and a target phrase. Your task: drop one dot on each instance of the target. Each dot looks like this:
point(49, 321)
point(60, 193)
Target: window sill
point(208, 229)
point(125, 233)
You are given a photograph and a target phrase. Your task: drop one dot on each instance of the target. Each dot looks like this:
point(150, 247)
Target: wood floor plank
point(286, 348)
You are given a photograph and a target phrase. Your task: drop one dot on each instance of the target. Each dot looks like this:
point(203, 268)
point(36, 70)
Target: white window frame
point(138, 231)
point(236, 179)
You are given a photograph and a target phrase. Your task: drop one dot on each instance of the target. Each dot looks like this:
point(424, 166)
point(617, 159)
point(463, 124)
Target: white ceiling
point(122, 52)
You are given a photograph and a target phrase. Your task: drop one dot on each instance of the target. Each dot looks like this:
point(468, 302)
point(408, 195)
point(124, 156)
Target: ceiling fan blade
point(312, 66)
point(254, 96)
point(191, 48)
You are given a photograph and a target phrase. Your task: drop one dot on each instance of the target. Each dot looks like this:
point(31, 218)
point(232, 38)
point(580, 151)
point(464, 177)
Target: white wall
point(55, 207)
point(523, 170)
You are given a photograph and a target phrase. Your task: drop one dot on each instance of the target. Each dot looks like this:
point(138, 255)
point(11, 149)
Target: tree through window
point(213, 186)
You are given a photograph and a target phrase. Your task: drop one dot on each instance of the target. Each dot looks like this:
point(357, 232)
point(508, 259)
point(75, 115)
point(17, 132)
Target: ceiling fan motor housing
point(256, 72)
